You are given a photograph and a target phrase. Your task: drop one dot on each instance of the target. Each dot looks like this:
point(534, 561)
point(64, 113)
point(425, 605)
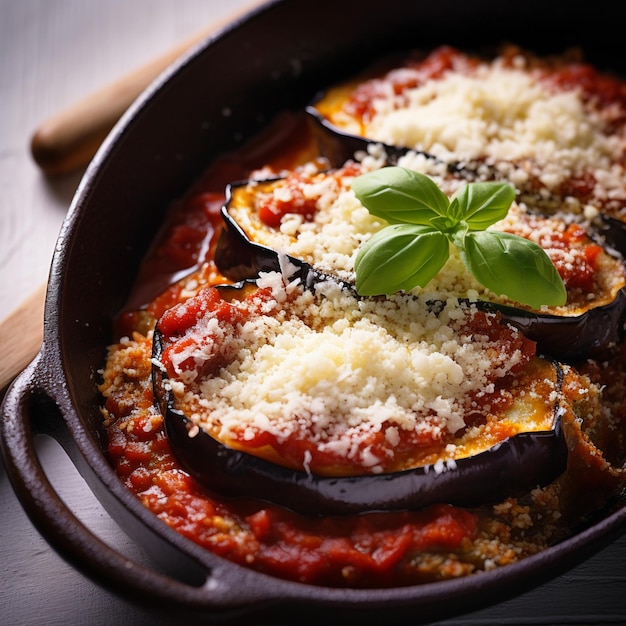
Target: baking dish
point(283, 53)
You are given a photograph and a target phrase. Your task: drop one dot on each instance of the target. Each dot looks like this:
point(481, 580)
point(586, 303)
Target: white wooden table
point(53, 52)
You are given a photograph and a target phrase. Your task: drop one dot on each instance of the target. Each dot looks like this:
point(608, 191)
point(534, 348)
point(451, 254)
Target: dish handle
point(28, 410)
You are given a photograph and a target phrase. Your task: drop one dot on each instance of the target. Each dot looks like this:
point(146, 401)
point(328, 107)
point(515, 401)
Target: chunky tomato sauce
point(581, 273)
point(366, 550)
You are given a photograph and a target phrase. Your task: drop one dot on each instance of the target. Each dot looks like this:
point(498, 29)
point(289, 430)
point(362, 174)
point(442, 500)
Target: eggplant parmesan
point(284, 372)
point(259, 405)
point(315, 217)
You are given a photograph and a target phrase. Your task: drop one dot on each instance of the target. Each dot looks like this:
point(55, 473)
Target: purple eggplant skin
point(236, 255)
point(596, 333)
point(515, 465)
point(338, 147)
point(241, 260)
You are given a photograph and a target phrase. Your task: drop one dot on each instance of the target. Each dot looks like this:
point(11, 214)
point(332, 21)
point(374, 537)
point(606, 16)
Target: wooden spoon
point(20, 336)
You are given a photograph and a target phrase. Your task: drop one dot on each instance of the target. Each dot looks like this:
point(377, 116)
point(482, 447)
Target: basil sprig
point(423, 222)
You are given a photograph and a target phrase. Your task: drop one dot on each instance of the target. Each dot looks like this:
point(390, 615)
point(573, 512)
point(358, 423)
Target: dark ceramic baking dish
point(278, 56)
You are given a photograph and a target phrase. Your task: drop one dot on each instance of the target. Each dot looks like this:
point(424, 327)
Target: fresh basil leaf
point(456, 211)
point(484, 204)
point(399, 258)
point(444, 224)
point(515, 267)
point(399, 195)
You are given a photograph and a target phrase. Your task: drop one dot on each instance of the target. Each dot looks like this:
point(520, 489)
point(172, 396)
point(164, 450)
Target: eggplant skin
point(236, 256)
point(512, 467)
point(516, 465)
point(597, 333)
point(338, 147)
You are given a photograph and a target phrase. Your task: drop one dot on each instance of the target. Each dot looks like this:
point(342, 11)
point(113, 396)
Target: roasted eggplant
point(266, 219)
point(498, 452)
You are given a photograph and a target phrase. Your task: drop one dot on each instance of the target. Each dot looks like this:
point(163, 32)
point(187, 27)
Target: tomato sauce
point(580, 274)
point(273, 209)
point(365, 550)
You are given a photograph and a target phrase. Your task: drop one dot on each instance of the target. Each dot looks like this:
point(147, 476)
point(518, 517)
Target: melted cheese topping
point(332, 369)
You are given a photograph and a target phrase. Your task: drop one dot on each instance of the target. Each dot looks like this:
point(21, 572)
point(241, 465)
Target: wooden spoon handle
point(69, 139)
point(21, 334)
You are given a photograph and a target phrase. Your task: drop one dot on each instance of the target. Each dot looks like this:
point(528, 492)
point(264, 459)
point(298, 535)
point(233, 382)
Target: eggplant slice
point(585, 328)
point(339, 147)
point(482, 473)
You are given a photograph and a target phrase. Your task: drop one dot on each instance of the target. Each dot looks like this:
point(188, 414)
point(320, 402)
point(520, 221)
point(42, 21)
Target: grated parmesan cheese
point(332, 369)
point(496, 112)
